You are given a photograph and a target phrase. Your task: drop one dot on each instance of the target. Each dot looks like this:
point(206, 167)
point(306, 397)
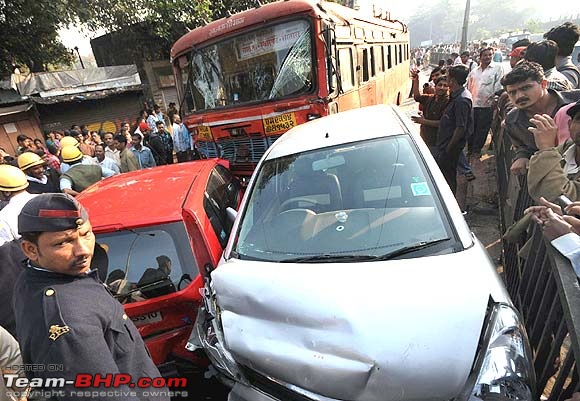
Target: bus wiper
point(410, 248)
point(326, 258)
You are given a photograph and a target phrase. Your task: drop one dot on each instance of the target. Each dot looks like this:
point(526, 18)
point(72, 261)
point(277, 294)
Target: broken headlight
point(503, 368)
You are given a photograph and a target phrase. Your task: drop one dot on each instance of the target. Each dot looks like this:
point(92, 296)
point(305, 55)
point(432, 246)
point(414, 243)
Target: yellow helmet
point(71, 154)
point(29, 159)
point(68, 141)
point(12, 179)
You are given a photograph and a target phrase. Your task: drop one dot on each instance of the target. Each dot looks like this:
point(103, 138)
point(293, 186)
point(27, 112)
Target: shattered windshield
point(148, 262)
point(364, 199)
point(265, 64)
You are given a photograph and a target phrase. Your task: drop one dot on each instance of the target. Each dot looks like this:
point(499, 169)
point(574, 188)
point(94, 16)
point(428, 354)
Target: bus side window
point(400, 53)
point(363, 65)
point(346, 68)
point(378, 52)
point(373, 61)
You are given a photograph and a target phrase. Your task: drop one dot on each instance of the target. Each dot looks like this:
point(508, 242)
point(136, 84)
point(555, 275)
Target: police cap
point(51, 212)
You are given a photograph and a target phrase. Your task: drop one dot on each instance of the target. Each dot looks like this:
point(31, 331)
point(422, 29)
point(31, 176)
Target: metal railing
point(542, 285)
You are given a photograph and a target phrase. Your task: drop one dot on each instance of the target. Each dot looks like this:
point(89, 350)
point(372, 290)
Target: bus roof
point(270, 11)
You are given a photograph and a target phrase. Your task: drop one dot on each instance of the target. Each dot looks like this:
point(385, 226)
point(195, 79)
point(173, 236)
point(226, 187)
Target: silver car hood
point(394, 330)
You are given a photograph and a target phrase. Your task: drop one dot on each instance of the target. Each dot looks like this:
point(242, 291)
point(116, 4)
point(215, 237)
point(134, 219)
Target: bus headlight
point(503, 368)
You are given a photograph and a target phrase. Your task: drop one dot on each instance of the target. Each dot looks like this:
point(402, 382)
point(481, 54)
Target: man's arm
point(415, 87)
point(132, 163)
point(546, 176)
point(424, 121)
point(83, 349)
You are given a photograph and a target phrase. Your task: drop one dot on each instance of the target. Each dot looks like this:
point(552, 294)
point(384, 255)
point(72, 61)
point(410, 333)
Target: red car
point(158, 228)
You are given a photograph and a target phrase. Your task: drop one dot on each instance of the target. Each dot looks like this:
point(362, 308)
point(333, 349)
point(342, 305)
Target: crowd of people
point(468, 94)
point(536, 104)
point(152, 141)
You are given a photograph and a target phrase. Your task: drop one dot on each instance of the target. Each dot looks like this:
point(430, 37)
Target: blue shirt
point(458, 113)
point(181, 138)
point(144, 157)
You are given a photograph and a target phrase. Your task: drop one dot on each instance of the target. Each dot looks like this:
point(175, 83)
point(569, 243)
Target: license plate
point(148, 318)
point(280, 123)
point(204, 132)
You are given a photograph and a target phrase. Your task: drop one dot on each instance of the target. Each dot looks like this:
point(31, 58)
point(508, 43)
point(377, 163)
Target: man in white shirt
point(110, 151)
point(181, 140)
point(13, 184)
point(104, 161)
point(483, 82)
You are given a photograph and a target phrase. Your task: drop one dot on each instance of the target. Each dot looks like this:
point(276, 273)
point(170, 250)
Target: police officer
point(40, 180)
point(64, 314)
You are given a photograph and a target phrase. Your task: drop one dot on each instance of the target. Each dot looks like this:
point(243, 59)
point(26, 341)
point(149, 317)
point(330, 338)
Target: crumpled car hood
point(394, 330)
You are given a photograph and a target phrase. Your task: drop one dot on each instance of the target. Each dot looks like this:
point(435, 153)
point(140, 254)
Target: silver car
point(352, 275)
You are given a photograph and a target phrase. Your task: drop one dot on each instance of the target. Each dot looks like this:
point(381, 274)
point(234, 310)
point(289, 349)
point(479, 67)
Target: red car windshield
point(148, 262)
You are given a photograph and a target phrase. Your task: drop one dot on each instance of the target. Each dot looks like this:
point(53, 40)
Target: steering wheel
point(297, 200)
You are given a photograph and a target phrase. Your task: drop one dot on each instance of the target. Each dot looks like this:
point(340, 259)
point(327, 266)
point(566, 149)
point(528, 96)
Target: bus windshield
point(265, 64)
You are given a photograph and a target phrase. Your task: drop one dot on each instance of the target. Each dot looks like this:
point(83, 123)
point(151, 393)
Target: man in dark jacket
point(527, 89)
point(64, 314)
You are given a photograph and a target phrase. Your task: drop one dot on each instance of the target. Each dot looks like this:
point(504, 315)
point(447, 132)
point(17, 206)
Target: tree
point(28, 29)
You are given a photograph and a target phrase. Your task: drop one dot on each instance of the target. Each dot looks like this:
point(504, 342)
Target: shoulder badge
point(56, 331)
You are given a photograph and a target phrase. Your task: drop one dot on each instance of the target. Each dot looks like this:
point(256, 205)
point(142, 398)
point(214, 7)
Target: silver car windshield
point(370, 198)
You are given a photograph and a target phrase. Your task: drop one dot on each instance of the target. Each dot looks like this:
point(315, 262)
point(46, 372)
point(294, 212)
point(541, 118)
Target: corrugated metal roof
point(51, 84)
point(4, 111)
point(80, 97)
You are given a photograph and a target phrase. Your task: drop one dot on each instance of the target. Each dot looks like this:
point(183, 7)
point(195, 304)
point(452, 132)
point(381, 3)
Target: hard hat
point(12, 179)
point(71, 154)
point(68, 141)
point(29, 159)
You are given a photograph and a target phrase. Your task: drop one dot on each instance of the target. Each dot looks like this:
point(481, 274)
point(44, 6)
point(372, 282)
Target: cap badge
point(56, 331)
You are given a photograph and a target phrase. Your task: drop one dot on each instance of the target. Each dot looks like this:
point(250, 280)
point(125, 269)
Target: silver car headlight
point(503, 368)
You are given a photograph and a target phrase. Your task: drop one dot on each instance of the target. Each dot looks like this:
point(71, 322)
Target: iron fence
point(542, 285)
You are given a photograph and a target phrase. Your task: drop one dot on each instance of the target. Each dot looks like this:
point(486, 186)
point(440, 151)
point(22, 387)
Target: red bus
point(245, 80)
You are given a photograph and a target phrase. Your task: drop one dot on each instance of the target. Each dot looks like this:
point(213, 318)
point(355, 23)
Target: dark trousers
point(448, 165)
point(482, 117)
point(182, 156)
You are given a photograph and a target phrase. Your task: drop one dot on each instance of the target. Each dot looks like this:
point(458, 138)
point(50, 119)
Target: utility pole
point(81, 60)
point(465, 27)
